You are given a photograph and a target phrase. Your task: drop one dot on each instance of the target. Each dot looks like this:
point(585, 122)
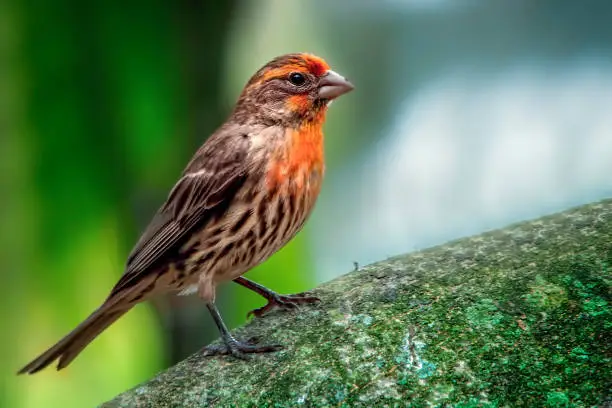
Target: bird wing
point(206, 188)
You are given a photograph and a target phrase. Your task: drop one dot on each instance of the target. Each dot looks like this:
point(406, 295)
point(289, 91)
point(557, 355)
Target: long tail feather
point(70, 346)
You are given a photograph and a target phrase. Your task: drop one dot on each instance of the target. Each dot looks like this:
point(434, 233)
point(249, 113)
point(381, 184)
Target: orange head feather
point(284, 65)
point(287, 90)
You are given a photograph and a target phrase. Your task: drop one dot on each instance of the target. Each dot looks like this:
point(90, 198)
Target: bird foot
point(239, 350)
point(284, 302)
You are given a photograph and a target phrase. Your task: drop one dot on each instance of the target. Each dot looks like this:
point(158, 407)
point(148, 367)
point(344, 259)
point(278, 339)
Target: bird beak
point(332, 85)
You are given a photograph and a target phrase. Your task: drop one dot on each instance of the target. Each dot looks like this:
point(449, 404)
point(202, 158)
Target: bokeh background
point(468, 115)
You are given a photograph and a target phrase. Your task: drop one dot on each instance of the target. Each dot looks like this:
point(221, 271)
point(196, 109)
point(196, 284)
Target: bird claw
point(239, 350)
point(284, 302)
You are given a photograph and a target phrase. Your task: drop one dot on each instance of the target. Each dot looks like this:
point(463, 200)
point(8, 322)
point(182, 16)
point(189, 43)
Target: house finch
point(246, 192)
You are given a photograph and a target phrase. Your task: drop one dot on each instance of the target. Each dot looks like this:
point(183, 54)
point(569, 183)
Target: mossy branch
point(514, 317)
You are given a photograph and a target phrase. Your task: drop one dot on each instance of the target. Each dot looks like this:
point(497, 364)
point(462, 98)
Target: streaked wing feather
point(208, 185)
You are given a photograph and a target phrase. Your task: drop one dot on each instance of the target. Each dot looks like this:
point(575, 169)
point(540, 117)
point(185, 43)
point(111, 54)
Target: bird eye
point(297, 79)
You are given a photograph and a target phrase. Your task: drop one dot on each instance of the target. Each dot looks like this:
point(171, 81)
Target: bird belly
point(249, 233)
point(289, 211)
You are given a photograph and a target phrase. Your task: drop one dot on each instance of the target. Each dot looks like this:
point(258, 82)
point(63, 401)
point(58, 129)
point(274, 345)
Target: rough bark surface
point(514, 317)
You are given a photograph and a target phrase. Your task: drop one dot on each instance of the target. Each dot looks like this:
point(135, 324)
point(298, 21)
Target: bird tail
point(70, 346)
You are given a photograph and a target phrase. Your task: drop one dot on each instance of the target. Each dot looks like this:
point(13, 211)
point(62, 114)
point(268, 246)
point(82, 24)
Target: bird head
point(290, 89)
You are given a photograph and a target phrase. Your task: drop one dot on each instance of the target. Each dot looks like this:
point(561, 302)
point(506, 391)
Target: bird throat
point(299, 162)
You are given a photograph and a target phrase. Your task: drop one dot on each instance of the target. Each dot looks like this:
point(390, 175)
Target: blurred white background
point(472, 151)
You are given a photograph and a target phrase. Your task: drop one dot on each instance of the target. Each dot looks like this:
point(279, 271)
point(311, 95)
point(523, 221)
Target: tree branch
point(518, 316)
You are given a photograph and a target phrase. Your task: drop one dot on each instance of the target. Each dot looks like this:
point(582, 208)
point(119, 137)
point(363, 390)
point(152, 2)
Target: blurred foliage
point(102, 104)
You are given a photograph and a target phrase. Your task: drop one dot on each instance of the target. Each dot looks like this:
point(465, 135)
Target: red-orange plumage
point(300, 157)
point(306, 64)
point(317, 65)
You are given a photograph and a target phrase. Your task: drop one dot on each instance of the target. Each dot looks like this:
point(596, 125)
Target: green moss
point(546, 295)
point(557, 399)
point(484, 315)
point(516, 317)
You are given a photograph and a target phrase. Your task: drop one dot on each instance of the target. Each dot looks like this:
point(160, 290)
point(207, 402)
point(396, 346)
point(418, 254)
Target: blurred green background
point(101, 105)
point(466, 116)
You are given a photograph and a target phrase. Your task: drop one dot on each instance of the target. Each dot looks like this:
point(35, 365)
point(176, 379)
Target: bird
point(246, 192)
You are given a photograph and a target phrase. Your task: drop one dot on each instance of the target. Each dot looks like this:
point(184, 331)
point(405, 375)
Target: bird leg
point(231, 345)
point(285, 302)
